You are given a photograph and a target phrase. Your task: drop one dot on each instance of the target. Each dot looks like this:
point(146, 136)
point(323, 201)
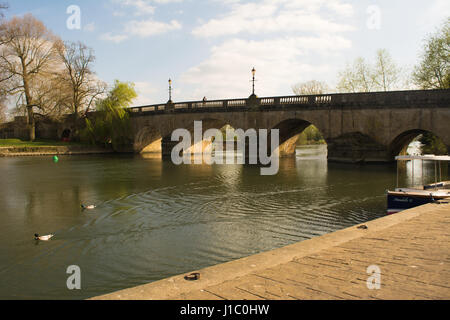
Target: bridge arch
point(290, 130)
point(155, 136)
point(207, 122)
point(147, 139)
point(401, 142)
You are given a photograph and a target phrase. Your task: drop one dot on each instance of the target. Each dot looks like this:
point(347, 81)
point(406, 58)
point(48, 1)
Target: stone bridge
point(358, 127)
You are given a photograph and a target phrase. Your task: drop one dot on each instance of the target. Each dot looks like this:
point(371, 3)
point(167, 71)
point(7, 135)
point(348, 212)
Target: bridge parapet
point(418, 98)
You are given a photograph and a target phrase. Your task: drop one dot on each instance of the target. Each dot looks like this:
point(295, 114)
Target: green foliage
point(112, 124)
point(357, 77)
point(310, 135)
point(363, 76)
point(121, 96)
point(432, 144)
point(433, 72)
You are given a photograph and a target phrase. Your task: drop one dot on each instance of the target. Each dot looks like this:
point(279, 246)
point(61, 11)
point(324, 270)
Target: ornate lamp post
point(253, 100)
point(170, 91)
point(253, 81)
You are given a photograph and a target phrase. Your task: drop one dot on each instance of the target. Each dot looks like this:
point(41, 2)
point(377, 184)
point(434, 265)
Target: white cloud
point(146, 93)
point(142, 7)
point(285, 16)
point(167, 1)
point(113, 38)
point(302, 40)
point(279, 63)
point(146, 28)
point(143, 28)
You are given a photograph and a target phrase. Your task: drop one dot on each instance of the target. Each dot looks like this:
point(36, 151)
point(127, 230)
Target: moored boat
point(405, 198)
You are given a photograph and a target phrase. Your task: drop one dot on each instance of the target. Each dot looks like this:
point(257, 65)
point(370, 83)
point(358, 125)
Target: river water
point(155, 219)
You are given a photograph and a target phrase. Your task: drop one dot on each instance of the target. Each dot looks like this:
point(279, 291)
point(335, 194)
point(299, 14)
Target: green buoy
point(55, 159)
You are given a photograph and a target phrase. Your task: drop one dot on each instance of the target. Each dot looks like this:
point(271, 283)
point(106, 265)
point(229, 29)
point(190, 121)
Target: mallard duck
point(89, 207)
point(43, 238)
point(193, 276)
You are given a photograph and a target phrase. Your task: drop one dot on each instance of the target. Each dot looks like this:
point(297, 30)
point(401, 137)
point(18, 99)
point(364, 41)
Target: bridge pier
point(287, 148)
point(167, 146)
point(357, 148)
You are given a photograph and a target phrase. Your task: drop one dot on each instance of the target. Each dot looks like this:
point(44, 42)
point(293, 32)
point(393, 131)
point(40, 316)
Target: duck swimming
point(89, 207)
point(43, 238)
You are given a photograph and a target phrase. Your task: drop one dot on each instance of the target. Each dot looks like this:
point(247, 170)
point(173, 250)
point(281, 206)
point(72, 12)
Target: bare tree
point(3, 6)
point(28, 53)
point(310, 87)
point(3, 77)
point(51, 96)
point(78, 59)
point(2, 109)
point(78, 77)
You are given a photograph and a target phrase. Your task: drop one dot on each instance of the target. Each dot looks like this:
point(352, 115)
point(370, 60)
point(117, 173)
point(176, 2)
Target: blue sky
point(208, 47)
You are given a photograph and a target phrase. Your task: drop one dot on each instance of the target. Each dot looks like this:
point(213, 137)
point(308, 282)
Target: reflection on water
point(155, 219)
point(312, 152)
point(418, 173)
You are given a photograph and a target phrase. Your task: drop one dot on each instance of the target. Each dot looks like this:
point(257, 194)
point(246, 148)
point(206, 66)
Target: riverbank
point(410, 249)
point(17, 151)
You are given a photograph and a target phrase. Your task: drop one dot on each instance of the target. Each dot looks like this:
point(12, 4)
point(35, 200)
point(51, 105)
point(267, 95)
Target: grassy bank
point(37, 143)
point(16, 148)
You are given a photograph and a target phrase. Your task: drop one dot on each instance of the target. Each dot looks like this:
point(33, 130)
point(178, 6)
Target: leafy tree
point(386, 73)
point(431, 144)
point(112, 123)
point(121, 96)
point(363, 76)
point(433, 71)
point(357, 77)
